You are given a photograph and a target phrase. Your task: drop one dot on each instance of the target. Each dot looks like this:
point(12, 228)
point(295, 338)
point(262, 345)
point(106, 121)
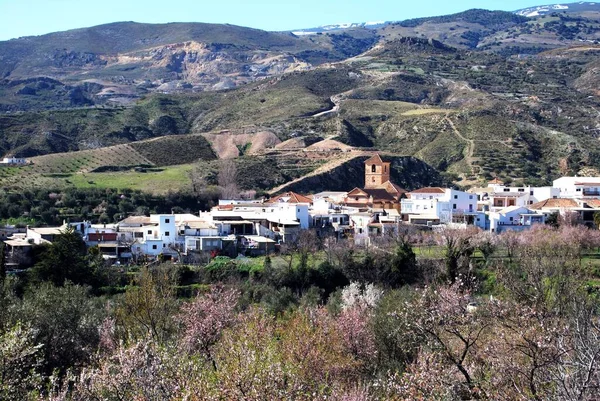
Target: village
point(259, 227)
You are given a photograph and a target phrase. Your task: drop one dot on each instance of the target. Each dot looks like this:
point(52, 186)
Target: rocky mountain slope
point(473, 95)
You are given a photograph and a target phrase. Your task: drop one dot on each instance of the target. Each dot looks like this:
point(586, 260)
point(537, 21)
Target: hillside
point(471, 112)
point(116, 63)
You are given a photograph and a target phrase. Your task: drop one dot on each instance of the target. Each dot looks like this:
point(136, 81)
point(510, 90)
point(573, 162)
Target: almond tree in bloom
point(440, 319)
point(355, 321)
point(205, 318)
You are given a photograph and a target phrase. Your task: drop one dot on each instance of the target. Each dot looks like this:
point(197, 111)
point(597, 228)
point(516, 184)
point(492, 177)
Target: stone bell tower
point(377, 172)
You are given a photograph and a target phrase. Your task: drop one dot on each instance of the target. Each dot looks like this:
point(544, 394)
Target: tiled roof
point(594, 203)
point(374, 159)
point(379, 194)
point(398, 188)
point(429, 190)
point(496, 181)
point(291, 197)
point(554, 203)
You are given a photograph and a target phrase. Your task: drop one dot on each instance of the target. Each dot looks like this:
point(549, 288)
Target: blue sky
point(36, 17)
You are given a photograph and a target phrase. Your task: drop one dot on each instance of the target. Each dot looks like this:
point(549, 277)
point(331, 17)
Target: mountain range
point(473, 95)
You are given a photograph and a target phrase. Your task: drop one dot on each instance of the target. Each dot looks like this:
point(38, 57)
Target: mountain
point(473, 95)
point(579, 7)
point(339, 27)
point(119, 62)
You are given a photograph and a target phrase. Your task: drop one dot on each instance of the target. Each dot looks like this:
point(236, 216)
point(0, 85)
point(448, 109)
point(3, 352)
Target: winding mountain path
point(328, 166)
point(470, 144)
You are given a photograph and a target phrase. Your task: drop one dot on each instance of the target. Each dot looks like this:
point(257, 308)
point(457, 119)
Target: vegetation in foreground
point(504, 317)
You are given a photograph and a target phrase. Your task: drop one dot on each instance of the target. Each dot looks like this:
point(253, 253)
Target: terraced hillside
point(469, 114)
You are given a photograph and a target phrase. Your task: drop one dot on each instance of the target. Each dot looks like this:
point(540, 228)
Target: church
point(379, 192)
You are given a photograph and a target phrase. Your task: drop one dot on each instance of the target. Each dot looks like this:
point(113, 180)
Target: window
point(298, 210)
point(138, 235)
point(149, 232)
point(154, 247)
point(385, 169)
point(530, 192)
point(470, 196)
point(373, 179)
point(531, 202)
point(455, 196)
point(454, 206)
point(521, 190)
point(578, 190)
point(506, 190)
point(167, 221)
point(373, 168)
point(164, 245)
point(167, 234)
point(511, 219)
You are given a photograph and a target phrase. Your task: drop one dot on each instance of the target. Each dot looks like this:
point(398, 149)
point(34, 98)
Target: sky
point(36, 17)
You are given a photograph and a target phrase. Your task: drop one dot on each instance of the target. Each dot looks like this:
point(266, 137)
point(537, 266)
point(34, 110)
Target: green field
point(155, 180)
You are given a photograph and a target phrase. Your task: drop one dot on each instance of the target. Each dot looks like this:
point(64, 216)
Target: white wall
point(568, 189)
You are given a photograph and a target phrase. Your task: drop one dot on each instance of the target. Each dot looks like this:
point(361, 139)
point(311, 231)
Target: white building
point(277, 220)
point(517, 218)
point(438, 205)
point(578, 187)
point(498, 196)
point(10, 159)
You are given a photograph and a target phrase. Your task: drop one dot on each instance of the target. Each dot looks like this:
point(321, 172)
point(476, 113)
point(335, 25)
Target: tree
point(147, 309)
point(460, 245)
point(64, 259)
point(2, 263)
point(205, 318)
point(20, 362)
point(597, 219)
point(65, 321)
point(227, 178)
point(440, 318)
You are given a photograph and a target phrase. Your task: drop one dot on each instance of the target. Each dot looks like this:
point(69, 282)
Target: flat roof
point(285, 222)
point(17, 242)
point(257, 238)
point(48, 230)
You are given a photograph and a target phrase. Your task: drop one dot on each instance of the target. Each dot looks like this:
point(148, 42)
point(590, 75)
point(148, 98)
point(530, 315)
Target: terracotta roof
point(356, 191)
point(379, 194)
point(594, 203)
point(397, 188)
point(374, 159)
point(554, 204)
point(496, 181)
point(292, 197)
point(429, 190)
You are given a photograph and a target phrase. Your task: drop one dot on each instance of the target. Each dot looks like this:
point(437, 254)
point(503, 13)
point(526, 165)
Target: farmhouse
point(11, 160)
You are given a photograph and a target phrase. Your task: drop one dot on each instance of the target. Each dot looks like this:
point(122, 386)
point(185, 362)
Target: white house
point(12, 160)
point(498, 196)
point(278, 220)
point(438, 205)
point(152, 235)
point(578, 187)
point(516, 218)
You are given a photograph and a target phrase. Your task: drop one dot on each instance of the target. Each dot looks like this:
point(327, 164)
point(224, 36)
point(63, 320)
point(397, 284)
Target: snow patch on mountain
point(541, 10)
